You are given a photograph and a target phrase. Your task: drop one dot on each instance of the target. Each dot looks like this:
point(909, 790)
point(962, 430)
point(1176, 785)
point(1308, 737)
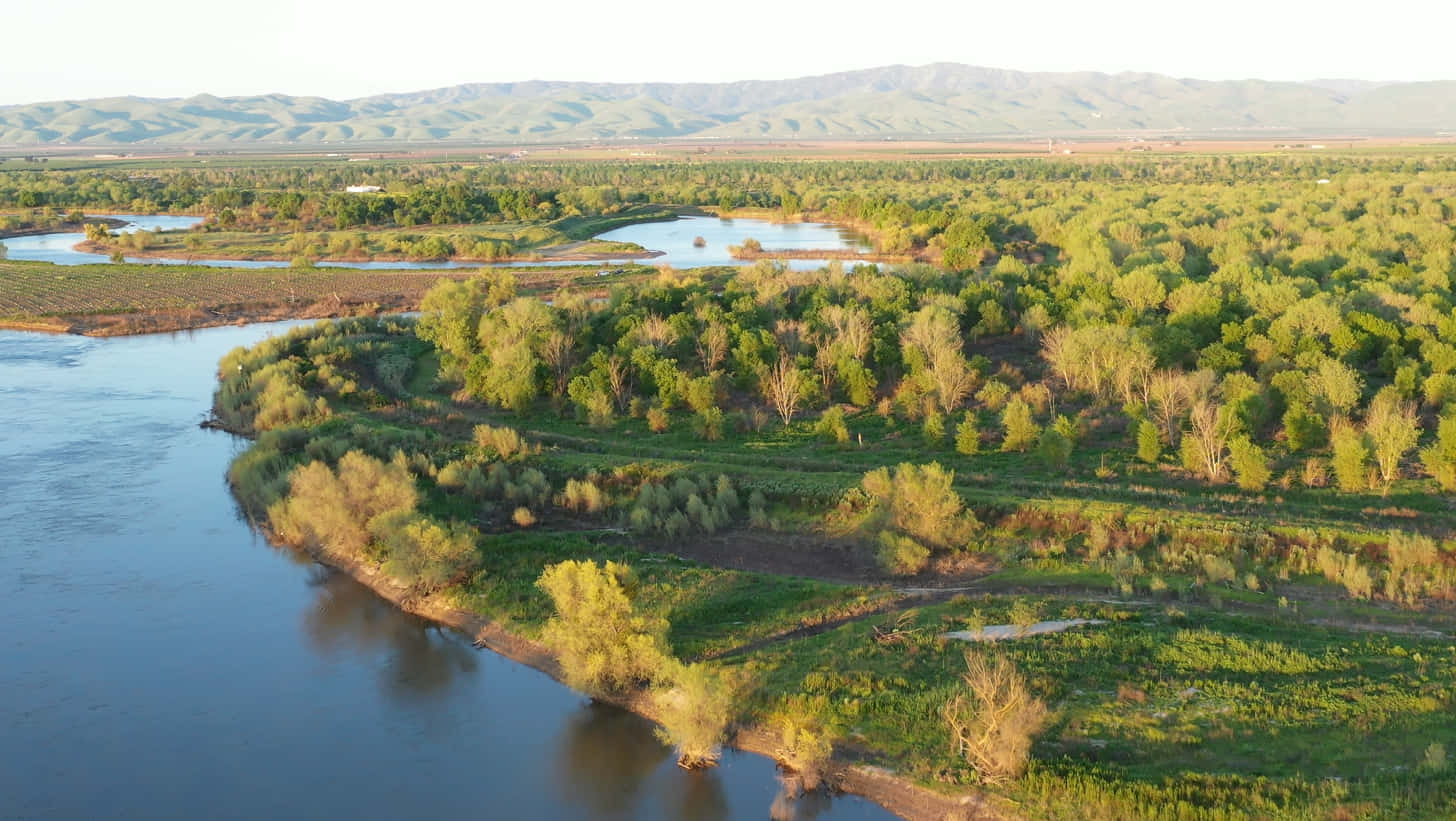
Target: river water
point(159, 660)
point(674, 238)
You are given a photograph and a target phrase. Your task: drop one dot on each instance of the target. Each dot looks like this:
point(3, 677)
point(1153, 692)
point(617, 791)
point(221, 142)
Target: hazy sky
point(98, 48)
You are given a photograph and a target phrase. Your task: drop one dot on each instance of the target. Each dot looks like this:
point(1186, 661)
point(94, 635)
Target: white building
point(364, 189)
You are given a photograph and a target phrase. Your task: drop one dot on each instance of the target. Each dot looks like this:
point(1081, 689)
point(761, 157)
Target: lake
point(160, 660)
point(674, 238)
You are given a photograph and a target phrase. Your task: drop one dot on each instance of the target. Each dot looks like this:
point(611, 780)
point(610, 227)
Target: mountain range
point(944, 100)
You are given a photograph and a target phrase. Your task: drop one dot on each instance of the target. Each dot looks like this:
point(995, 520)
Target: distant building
point(364, 189)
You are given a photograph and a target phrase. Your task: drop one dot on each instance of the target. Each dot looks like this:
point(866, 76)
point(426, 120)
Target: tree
point(712, 346)
point(694, 707)
point(1020, 430)
point(1149, 446)
point(1439, 459)
point(1210, 426)
point(968, 436)
point(783, 385)
point(604, 645)
point(1392, 429)
point(1251, 466)
point(1351, 459)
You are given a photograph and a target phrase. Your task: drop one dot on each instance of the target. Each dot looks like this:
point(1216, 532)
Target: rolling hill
point(939, 100)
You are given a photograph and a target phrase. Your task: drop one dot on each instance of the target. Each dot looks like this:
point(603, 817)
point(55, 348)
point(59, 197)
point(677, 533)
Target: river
point(161, 661)
point(674, 238)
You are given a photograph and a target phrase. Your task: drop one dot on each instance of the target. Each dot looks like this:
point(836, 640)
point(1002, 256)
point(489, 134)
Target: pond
point(161, 660)
point(675, 238)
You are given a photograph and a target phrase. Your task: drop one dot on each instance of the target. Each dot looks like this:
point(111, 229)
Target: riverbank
point(896, 794)
point(63, 227)
point(638, 253)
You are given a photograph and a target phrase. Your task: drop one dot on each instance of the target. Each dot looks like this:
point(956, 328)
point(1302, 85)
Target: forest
point(1206, 403)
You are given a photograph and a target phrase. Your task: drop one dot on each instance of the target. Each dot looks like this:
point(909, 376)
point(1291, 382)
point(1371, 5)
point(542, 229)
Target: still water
point(673, 238)
point(160, 661)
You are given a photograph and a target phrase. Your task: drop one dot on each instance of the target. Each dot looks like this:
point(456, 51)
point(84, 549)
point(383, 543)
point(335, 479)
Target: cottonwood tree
point(1392, 428)
point(1205, 448)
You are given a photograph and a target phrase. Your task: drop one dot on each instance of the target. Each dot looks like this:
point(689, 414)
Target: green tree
point(968, 436)
point(1351, 459)
point(605, 645)
point(1019, 429)
point(1251, 466)
point(1149, 442)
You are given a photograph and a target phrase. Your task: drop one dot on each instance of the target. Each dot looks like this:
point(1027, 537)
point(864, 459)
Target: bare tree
point(1210, 429)
point(713, 346)
point(619, 379)
point(558, 352)
point(783, 387)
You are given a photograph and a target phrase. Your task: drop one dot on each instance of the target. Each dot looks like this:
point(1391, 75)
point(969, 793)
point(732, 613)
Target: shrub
point(604, 645)
point(504, 442)
point(423, 553)
point(1053, 448)
point(332, 510)
point(933, 429)
point(694, 707)
point(806, 739)
point(523, 517)
point(658, 420)
point(993, 723)
point(901, 555)
point(581, 496)
point(831, 426)
point(708, 424)
point(919, 501)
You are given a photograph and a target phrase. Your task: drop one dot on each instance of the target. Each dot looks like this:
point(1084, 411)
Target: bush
point(523, 517)
point(995, 721)
point(831, 426)
point(1351, 460)
point(708, 424)
point(332, 510)
point(424, 553)
point(604, 645)
point(694, 707)
point(901, 555)
point(658, 420)
point(919, 501)
point(504, 442)
point(806, 739)
point(1053, 448)
point(581, 496)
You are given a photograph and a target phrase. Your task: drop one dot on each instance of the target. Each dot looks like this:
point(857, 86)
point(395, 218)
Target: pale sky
point(176, 48)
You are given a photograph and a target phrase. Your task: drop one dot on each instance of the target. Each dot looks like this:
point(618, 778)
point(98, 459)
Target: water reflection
point(611, 754)
point(347, 618)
